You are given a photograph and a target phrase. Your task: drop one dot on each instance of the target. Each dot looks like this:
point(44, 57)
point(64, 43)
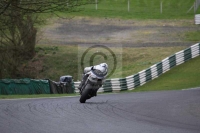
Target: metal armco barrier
point(197, 19)
point(139, 79)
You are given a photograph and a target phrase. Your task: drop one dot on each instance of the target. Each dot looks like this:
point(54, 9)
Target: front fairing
point(95, 80)
point(99, 75)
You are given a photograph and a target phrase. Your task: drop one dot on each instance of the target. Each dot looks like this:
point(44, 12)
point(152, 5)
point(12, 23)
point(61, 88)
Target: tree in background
point(18, 20)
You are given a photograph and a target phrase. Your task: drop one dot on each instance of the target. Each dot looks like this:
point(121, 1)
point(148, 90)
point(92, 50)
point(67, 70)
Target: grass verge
point(35, 96)
point(138, 9)
point(59, 60)
point(192, 36)
point(180, 77)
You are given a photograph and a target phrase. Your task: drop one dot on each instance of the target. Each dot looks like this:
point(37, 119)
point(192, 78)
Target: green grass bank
point(185, 76)
point(139, 9)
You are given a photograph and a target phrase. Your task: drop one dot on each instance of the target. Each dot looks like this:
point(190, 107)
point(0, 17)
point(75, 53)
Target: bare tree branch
point(18, 20)
point(5, 7)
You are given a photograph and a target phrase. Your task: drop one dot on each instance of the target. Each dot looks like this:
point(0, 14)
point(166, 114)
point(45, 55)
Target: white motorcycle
point(95, 78)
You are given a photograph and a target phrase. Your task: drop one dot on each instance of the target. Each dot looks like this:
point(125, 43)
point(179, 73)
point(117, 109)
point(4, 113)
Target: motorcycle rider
point(87, 72)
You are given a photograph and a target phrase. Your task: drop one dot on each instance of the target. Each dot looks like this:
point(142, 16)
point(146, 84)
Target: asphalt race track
point(139, 112)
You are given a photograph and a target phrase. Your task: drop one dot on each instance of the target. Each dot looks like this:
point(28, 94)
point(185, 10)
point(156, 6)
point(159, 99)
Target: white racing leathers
point(93, 79)
point(94, 75)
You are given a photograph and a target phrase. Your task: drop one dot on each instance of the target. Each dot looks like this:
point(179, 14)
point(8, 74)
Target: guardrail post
point(161, 7)
point(128, 5)
point(96, 1)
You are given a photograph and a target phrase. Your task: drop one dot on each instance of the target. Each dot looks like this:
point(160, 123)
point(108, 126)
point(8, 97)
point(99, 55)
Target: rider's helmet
point(100, 70)
point(104, 65)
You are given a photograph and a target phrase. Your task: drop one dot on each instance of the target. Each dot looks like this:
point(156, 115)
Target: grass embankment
point(59, 60)
point(184, 76)
point(139, 9)
point(192, 36)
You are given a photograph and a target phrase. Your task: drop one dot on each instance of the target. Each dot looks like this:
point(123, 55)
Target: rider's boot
point(82, 82)
point(95, 93)
point(80, 86)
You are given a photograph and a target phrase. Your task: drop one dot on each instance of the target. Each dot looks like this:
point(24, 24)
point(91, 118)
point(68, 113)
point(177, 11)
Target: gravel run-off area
point(127, 33)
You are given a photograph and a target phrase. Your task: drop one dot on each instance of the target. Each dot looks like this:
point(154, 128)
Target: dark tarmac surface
point(139, 112)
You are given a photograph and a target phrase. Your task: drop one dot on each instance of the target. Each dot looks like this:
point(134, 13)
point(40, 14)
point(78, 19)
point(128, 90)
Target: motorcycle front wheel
point(84, 95)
